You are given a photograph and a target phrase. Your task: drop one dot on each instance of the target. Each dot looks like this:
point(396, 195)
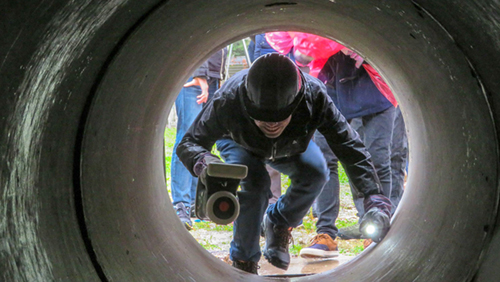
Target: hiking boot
point(322, 246)
point(277, 240)
point(351, 232)
point(184, 215)
point(248, 266)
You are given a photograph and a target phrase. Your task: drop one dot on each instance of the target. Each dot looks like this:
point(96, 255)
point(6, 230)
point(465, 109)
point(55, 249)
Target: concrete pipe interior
point(89, 87)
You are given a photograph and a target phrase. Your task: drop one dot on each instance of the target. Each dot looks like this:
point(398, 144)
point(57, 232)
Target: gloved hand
point(376, 221)
point(380, 201)
point(200, 168)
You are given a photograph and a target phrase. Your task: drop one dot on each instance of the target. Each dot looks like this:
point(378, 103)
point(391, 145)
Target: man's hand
point(200, 168)
point(379, 201)
point(202, 83)
point(376, 221)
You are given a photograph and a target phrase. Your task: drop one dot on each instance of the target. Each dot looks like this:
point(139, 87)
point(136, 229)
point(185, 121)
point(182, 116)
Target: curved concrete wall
point(87, 87)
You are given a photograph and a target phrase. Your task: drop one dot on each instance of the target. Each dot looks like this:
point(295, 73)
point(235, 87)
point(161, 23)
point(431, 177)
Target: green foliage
point(351, 251)
point(295, 249)
point(341, 223)
point(238, 47)
point(342, 175)
point(169, 140)
point(309, 223)
point(209, 246)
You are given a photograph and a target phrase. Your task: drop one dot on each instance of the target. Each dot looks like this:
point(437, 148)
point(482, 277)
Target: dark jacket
point(262, 47)
point(351, 89)
point(213, 68)
point(225, 115)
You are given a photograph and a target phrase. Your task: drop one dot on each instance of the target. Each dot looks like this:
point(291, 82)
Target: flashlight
point(374, 225)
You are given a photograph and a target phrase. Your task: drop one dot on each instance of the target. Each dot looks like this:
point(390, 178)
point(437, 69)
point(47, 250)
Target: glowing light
point(370, 229)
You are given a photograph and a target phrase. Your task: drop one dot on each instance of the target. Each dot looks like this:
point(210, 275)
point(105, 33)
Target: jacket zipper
point(273, 151)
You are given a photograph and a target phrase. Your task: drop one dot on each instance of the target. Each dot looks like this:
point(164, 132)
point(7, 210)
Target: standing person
point(399, 157)
point(364, 99)
point(189, 103)
point(371, 114)
point(271, 112)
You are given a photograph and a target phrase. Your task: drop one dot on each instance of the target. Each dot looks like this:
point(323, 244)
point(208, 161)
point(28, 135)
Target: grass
point(208, 246)
point(343, 223)
point(169, 139)
point(210, 226)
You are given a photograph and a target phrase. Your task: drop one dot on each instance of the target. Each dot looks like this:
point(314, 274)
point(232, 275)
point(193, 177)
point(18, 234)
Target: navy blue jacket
point(351, 88)
point(213, 68)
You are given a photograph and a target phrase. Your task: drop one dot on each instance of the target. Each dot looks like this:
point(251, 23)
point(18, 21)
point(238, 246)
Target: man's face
point(273, 129)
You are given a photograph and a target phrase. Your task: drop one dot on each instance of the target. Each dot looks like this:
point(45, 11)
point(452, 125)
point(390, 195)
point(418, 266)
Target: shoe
point(366, 243)
point(348, 233)
point(184, 213)
point(277, 240)
point(322, 246)
point(248, 266)
point(193, 214)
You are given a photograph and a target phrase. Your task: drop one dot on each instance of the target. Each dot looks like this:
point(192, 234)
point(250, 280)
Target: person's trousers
point(183, 184)
point(375, 130)
point(327, 204)
point(399, 156)
point(275, 184)
point(308, 173)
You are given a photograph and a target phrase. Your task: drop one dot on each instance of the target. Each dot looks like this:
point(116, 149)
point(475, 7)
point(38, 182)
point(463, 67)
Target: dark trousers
point(399, 156)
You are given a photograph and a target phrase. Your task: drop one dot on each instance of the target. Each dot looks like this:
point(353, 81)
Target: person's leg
point(275, 184)
point(213, 85)
point(357, 124)
point(181, 180)
point(327, 203)
point(183, 184)
point(327, 208)
point(377, 136)
point(253, 199)
point(399, 152)
point(308, 174)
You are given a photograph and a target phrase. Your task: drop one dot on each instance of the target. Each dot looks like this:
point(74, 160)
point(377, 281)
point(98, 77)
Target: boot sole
point(276, 262)
point(315, 253)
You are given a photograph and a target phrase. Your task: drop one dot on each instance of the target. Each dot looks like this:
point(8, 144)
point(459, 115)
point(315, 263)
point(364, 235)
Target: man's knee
point(318, 175)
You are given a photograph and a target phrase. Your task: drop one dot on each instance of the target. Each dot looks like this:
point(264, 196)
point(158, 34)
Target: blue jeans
point(375, 131)
point(183, 183)
point(308, 173)
point(399, 155)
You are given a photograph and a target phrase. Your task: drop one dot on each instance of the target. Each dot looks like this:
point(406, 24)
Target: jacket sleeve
point(347, 146)
point(201, 135)
point(202, 71)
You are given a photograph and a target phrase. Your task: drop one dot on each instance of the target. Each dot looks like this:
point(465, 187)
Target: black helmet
point(273, 88)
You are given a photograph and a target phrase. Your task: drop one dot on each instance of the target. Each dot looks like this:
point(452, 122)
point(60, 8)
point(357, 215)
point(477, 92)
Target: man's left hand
point(376, 221)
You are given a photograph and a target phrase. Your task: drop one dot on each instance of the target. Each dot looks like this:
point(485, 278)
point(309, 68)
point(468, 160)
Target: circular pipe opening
point(134, 231)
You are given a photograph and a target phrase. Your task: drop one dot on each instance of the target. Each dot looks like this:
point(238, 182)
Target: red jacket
point(320, 49)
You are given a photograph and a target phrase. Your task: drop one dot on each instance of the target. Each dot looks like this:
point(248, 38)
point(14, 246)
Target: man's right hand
point(200, 168)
